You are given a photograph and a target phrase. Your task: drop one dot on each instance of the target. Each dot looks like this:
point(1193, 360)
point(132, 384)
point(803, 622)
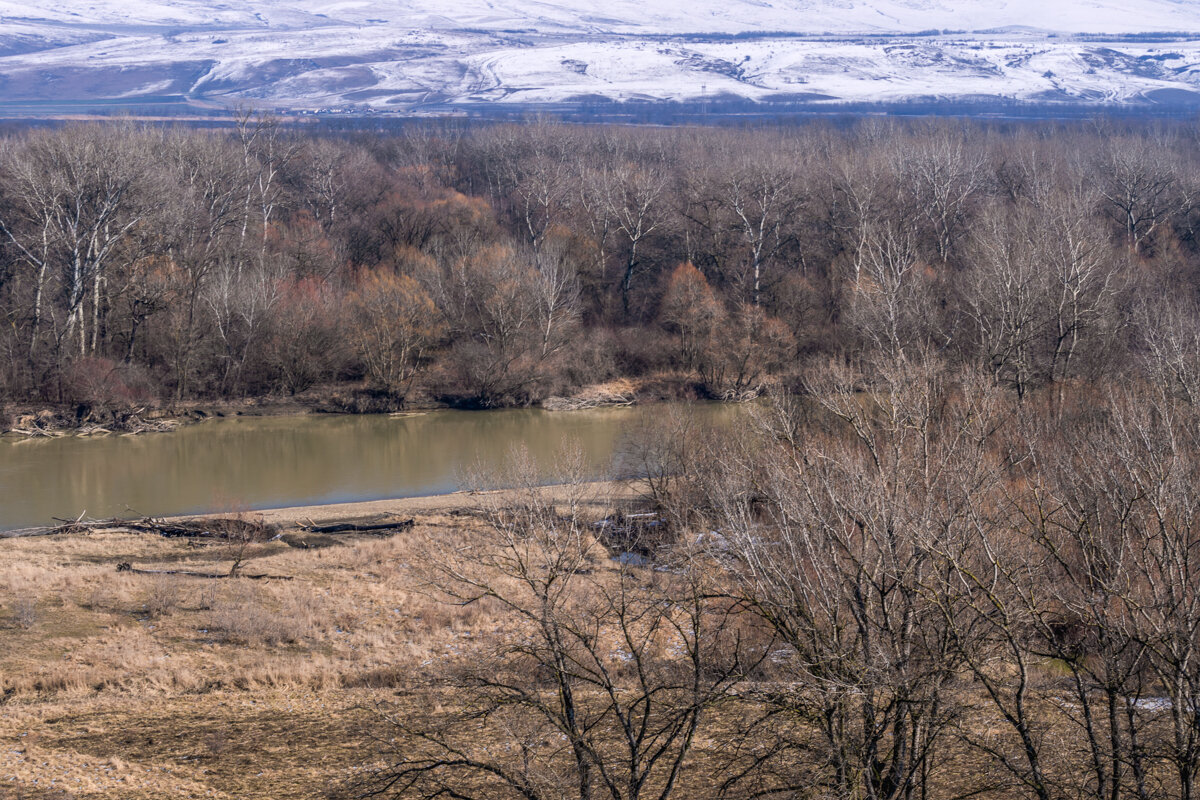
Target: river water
point(270, 462)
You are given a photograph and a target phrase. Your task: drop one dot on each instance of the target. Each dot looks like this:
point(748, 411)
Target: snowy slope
point(394, 54)
point(637, 16)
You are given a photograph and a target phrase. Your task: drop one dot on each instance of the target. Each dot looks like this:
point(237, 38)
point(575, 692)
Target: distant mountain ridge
point(416, 54)
point(631, 16)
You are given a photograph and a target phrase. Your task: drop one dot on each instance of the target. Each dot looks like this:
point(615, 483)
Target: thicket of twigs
point(904, 581)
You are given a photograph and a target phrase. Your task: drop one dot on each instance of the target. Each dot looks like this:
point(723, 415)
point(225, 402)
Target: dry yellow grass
point(119, 685)
point(125, 685)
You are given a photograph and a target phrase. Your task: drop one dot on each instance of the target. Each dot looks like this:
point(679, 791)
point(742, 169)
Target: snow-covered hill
point(398, 54)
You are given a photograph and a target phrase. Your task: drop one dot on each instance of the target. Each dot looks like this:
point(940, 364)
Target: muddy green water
point(272, 462)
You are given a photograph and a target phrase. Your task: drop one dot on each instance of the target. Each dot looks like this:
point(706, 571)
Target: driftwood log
point(354, 527)
point(125, 566)
point(216, 528)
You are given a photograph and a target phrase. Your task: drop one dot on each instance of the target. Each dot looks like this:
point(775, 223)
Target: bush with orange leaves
point(729, 351)
point(395, 324)
point(692, 312)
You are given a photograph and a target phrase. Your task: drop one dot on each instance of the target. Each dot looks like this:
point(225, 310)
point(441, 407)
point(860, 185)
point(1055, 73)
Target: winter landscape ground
point(424, 56)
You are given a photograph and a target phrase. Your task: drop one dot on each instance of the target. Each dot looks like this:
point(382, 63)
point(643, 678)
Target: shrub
point(162, 595)
point(25, 611)
point(247, 614)
point(106, 384)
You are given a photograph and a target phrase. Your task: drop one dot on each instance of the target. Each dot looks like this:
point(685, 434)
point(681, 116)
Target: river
point(248, 463)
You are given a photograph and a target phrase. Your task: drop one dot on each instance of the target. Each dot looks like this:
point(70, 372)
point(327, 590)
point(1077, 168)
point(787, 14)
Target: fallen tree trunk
point(125, 566)
point(215, 527)
point(354, 527)
point(22, 533)
point(33, 433)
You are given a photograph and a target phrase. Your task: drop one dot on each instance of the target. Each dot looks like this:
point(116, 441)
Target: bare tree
point(764, 198)
point(603, 683)
point(507, 318)
point(889, 303)
point(528, 168)
point(1131, 514)
point(396, 324)
point(942, 174)
point(1171, 337)
point(1003, 300)
point(839, 554)
point(632, 195)
point(200, 221)
point(1139, 188)
point(76, 208)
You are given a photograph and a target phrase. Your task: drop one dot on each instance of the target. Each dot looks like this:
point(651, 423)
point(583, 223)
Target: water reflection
point(280, 461)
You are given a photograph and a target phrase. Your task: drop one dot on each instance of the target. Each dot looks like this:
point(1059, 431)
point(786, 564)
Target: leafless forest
point(952, 552)
point(501, 265)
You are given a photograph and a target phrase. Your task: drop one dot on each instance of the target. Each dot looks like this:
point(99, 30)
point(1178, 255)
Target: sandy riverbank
point(408, 507)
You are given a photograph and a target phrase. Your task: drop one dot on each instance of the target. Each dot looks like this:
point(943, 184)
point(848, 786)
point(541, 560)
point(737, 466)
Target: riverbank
point(368, 511)
point(49, 421)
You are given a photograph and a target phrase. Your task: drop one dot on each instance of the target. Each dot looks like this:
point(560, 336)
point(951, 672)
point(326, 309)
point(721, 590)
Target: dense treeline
point(501, 265)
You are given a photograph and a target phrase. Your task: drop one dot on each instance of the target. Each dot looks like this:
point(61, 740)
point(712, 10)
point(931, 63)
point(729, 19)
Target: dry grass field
point(128, 685)
point(131, 685)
